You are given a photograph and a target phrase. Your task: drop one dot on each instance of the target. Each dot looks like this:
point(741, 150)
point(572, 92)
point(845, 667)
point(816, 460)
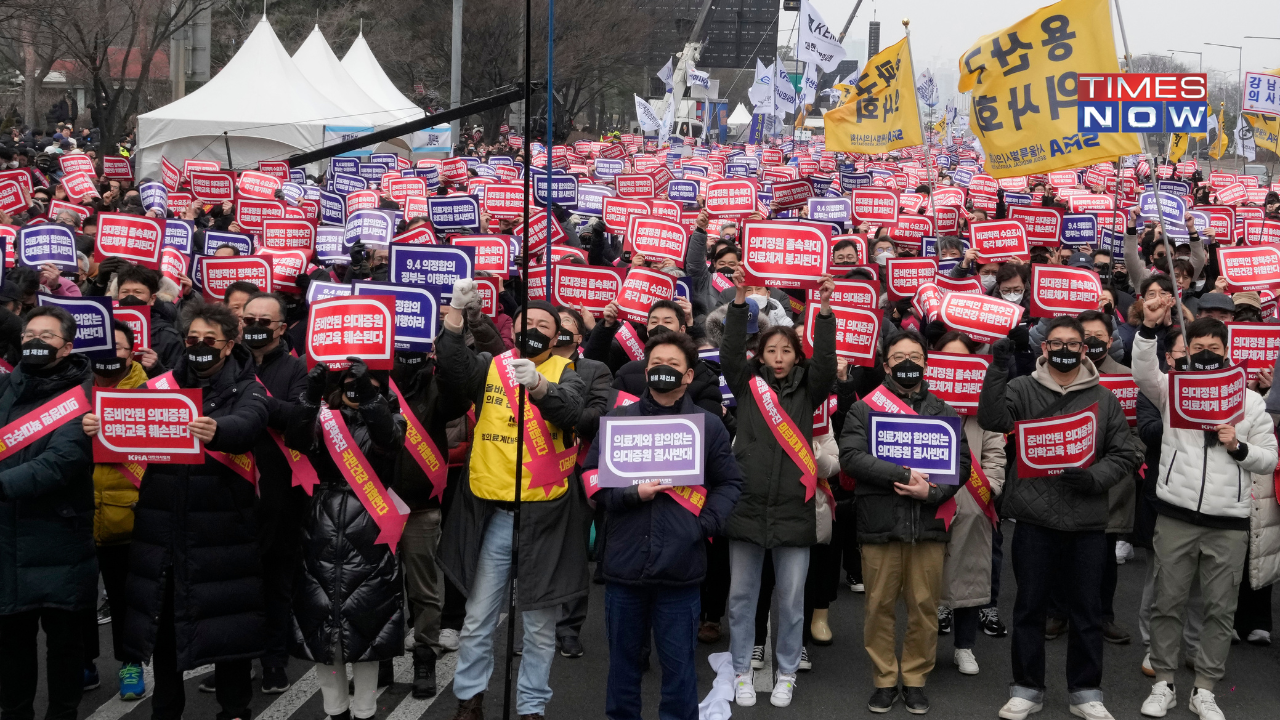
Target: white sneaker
point(744, 689)
point(1091, 711)
point(784, 686)
point(757, 657)
point(1146, 666)
point(965, 661)
point(1019, 708)
point(1124, 551)
point(449, 640)
point(805, 663)
point(1203, 704)
point(1162, 698)
point(1259, 637)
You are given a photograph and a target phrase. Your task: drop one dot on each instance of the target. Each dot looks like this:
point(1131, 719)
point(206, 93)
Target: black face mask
point(349, 391)
point(1104, 273)
point(726, 271)
point(1095, 349)
point(410, 359)
point(201, 357)
point(564, 339)
point(907, 373)
point(131, 300)
point(1064, 361)
point(112, 367)
point(663, 378)
point(1120, 279)
point(1206, 360)
point(256, 336)
point(37, 353)
point(537, 342)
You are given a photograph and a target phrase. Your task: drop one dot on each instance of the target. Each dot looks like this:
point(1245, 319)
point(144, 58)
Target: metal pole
point(551, 117)
point(226, 142)
point(906, 28)
point(1168, 248)
point(455, 70)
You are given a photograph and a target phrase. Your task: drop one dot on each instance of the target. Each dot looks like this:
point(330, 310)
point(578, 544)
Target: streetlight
point(1193, 52)
point(1240, 73)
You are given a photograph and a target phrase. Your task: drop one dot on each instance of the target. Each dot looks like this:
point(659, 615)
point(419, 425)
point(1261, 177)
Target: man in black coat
point(47, 556)
point(138, 286)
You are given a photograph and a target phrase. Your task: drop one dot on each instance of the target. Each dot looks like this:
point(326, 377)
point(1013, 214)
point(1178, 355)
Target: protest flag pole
point(524, 347)
point(550, 141)
point(906, 28)
point(1168, 248)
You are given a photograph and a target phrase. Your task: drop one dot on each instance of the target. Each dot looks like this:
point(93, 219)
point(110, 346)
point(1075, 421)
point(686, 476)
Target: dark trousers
point(113, 563)
point(1110, 578)
point(20, 669)
point(234, 689)
point(1253, 607)
point(715, 586)
point(965, 627)
point(844, 538)
point(673, 615)
point(1041, 557)
point(997, 564)
point(280, 512)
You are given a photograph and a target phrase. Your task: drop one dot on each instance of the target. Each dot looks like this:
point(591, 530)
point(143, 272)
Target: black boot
point(424, 672)
point(386, 674)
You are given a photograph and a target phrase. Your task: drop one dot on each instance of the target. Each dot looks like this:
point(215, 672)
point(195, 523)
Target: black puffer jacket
point(194, 525)
point(884, 515)
point(165, 339)
point(348, 588)
point(419, 383)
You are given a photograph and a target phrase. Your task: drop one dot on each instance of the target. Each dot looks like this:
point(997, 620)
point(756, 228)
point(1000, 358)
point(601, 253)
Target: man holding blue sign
point(907, 460)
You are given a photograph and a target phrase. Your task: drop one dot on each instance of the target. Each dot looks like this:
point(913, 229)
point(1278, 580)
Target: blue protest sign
point(390, 160)
point(1012, 198)
point(820, 184)
point(292, 192)
point(591, 199)
point(347, 165)
point(928, 444)
point(684, 288)
point(944, 161)
point(431, 174)
point(502, 160)
point(1201, 219)
point(345, 184)
point(1173, 187)
point(214, 239)
point(454, 212)
point(608, 167)
point(417, 313)
point(333, 208)
point(851, 179)
point(1172, 207)
point(330, 246)
point(1112, 241)
point(834, 210)
point(178, 235)
point(564, 189)
point(483, 170)
point(311, 192)
point(946, 266)
point(737, 169)
point(662, 448)
point(682, 191)
point(321, 290)
point(298, 175)
point(94, 336)
point(1079, 229)
point(434, 267)
point(372, 172)
point(155, 196)
point(962, 176)
point(372, 227)
point(693, 170)
point(47, 243)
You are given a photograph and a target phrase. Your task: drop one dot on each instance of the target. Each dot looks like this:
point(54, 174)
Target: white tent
point(267, 107)
point(365, 70)
point(740, 116)
point(318, 63)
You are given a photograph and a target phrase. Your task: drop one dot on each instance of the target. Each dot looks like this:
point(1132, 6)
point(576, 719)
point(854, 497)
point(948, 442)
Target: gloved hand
point(110, 266)
point(465, 294)
point(316, 381)
point(365, 392)
point(526, 373)
point(1079, 478)
point(1021, 337)
point(359, 261)
point(1001, 352)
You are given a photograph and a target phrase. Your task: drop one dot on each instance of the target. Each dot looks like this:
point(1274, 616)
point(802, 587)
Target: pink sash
point(690, 497)
point(355, 467)
point(629, 341)
point(304, 475)
point(787, 434)
point(547, 468)
point(422, 448)
point(43, 420)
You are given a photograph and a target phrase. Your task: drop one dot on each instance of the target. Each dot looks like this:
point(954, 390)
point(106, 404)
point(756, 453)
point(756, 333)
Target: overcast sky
point(942, 29)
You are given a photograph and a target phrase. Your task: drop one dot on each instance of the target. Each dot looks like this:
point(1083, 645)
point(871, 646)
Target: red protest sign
point(280, 235)
point(194, 166)
point(76, 163)
point(286, 266)
point(219, 272)
point(1125, 390)
point(970, 284)
point(617, 213)
point(146, 426)
point(1061, 290)
point(454, 170)
point(731, 197)
point(1205, 399)
point(910, 202)
point(957, 379)
point(22, 177)
point(132, 237)
point(792, 193)
point(667, 210)
point(771, 156)
point(585, 286)
point(1047, 447)
point(250, 214)
point(173, 263)
point(983, 185)
point(79, 185)
point(403, 188)
point(254, 184)
point(493, 252)
point(986, 319)
point(948, 197)
point(849, 293)
point(12, 199)
point(1253, 345)
point(538, 233)
point(946, 219)
point(1233, 194)
point(635, 187)
point(999, 240)
point(785, 254)
point(1261, 232)
point(421, 235)
point(655, 237)
point(911, 230)
point(504, 200)
point(275, 168)
point(360, 326)
point(641, 289)
point(363, 200)
point(875, 206)
point(138, 318)
point(1042, 225)
point(488, 289)
point(857, 332)
point(1250, 268)
point(213, 186)
point(561, 252)
point(178, 202)
point(927, 300)
point(906, 274)
point(117, 168)
point(169, 175)
point(58, 206)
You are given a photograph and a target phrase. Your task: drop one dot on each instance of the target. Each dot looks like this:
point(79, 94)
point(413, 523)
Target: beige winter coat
point(966, 572)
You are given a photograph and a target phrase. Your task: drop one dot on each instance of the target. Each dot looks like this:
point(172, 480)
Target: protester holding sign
point(654, 559)
point(46, 516)
point(475, 552)
point(901, 525)
point(349, 427)
point(778, 505)
point(1061, 518)
point(139, 286)
point(1203, 527)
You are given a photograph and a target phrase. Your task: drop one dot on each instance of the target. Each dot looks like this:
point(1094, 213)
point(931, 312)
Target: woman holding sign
point(777, 510)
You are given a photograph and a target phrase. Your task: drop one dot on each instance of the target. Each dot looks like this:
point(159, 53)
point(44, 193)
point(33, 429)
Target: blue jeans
point(630, 611)
point(484, 604)
point(790, 566)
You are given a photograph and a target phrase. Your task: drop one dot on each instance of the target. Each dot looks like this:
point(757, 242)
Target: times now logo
point(1142, 102)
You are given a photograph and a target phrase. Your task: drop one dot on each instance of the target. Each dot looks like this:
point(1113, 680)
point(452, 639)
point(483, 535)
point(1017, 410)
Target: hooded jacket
point(113, 493)
point(165, 339)
point(1049, 501)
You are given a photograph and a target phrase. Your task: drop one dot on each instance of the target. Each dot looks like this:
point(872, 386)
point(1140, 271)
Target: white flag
point(666, 73)
point(1244, 139)
point(699, 78)
point(809, 85)
point(817, 43)
point(761, 92)
point(668, 117)
point(646, 115)
point(784, 93)
point(927, 90)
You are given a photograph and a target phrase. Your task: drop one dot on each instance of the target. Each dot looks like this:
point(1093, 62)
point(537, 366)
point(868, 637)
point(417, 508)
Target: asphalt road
point(837, 687)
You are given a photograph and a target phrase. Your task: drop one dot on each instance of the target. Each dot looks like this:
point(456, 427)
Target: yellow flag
point(1178, 147)
point(1266, 131)
point(940, 125)
point(1023, 83)
point(881, 114)
point(1220, 145)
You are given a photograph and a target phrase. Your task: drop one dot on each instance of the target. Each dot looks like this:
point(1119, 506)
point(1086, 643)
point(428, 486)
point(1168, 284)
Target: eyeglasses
point(1073, 345)
point(192, 340)
point(264, 322)
point(45, 336)
point(896, 358)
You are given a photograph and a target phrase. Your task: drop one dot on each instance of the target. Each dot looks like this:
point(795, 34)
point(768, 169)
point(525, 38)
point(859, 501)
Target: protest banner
point(849, 293)
point(791, 194)
point(640, 290)
point(682, 191)
point(261, 186)
point(216, 239)
point(657, 238)
point(634, 187)
point(455, 212)
point(948, 197)
point(213, 187)
point(874, 206)
point(906, 274)
point(667, 210)
point(857, 332)
point(1250, 268)
point(286, 266)
point(417, 313)
point(1048, 446)
point(147, 426)
point(585, 286)
point(492, 252)
point(924, 443)
point(538, 224)
point(1079, 229)
point(883, 115)
point(1061, 290)
point(135, 238)
point(504, 200)
point(275, 168)
point(435, 267)
point(116, 167)
point(1261, 232)
point(487, 287)
point(190, 167)
point(371, 227)
point(401, 189)
point(957, 379)
point(93, 316)
point(138, 318)
point(1205, 399)
point(1253, 345)
point(363, 200)
point(617, 213)
point(76, 163)
point(321, 290)
point(667, 449)
point(986, 319)
point(342, 327)
point(785, 254)
point(833, 210)
point(1125, 389)
point(999, 240)
point(927, 300)
point(250, 214)
point(174, 265)
point(219, 272)
point(21, 177)
point(563, 189)
point(731, 198)
point(13, 199)
point(1043, 226)
point(46, 243)
point(948, 284)
point(911, 230)
point(1233, 194)
point(910, 202)
point(946, 220)
point(79, 185)
point(1089, 202)
point(289, 235)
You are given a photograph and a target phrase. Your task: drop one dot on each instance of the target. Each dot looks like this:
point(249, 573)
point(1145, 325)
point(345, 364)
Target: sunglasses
point(264, 322)
point(211, 342)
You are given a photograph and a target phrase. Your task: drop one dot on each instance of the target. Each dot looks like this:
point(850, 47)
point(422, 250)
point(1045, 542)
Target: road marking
point(411, 708)
point(115, 708)
point(295, 697)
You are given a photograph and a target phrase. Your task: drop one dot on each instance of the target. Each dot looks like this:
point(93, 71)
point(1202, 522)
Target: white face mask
point(1012, 297)
point(988, 281)
point(883, 256)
